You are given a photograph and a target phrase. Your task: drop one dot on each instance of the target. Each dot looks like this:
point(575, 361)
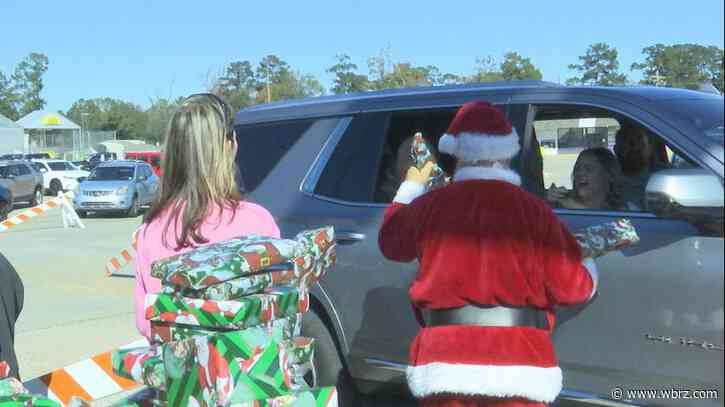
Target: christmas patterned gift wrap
point(142, 365)
point(599, 240)
point(282, 274)
point(317, 255)
point(276, 303)
point(279, 329)
point(298, 353)
point(225, 368)
point(11, 386)
point(4, 369)
point(318, 397)
point(27, 400)
point(219, 262)
point(420, 154)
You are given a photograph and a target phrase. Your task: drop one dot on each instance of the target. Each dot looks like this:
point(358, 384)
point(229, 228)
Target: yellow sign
point(50, 120)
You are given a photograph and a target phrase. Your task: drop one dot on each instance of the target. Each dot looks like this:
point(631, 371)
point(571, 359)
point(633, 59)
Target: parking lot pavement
point(72, 310)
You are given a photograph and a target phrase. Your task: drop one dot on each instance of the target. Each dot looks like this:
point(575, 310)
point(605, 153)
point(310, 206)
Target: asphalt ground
point(72, 310)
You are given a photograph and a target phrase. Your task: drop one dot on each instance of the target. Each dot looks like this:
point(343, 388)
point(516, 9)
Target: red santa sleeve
point(397, 238)
point(568, 279)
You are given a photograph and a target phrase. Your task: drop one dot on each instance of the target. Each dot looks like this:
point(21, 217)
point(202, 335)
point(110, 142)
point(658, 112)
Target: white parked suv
point(58, 175)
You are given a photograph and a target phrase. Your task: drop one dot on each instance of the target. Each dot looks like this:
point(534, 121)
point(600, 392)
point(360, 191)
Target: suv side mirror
point(685, 193)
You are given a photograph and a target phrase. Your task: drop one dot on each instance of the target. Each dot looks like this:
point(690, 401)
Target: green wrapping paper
point(598, 240)
point(219, 262)
point(313, 255)
point(277, 303)
point(279, 329)
point(240, 287)
point(142, 365)
point(27, 400)
point(227, 368)
point(318, 397)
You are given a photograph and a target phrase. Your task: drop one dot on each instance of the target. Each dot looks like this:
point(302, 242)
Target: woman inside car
point(596, 181)
point(200, 200)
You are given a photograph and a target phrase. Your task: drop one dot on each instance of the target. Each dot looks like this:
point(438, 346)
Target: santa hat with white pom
point(480, 132)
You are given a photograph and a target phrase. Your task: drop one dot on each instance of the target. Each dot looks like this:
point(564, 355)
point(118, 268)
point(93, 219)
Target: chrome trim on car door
point(385, 364)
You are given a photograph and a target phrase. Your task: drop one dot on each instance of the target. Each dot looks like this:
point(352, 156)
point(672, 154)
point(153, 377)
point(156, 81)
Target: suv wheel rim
point(38, 197)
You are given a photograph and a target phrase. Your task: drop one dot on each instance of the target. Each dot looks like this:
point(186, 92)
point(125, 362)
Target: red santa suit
point(484, 241)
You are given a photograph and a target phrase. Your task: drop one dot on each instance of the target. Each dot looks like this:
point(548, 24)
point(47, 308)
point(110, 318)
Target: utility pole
point(269, 90)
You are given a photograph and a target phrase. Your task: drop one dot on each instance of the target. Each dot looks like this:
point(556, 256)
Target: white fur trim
point(591, 267)
point(448, 144)
point(408, 191)
point(480, 146)
point(492, 173)
point(534, 383)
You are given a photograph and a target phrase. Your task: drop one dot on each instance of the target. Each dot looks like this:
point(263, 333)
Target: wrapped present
point(317, 255)
point(219, 262)
point(11, 386)
point(27, 400)
point(142, 365)
point(4, 369)
point(283, 274)
point(279, 329)
point(318, 397)
point(253, 310)
point(598, 240)
point(226, 368)
point(420, 155)
point(299, 353)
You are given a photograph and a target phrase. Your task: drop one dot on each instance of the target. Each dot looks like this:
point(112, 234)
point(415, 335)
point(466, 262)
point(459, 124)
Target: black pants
point(11, 304)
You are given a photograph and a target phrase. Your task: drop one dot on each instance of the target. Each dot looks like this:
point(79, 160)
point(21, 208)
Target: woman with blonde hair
point(200, 200)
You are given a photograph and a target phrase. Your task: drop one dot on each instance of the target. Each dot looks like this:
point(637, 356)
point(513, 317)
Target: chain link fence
point(68, 144)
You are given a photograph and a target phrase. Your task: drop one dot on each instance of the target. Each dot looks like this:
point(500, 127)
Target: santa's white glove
point(414, 184)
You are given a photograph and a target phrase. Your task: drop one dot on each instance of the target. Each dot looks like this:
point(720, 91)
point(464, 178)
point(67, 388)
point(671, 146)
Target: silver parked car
point(23, 181)
point(117, 186)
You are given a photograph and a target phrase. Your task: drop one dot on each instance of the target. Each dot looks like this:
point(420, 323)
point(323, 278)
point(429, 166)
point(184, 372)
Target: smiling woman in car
point(597, 183)
point(200, 199)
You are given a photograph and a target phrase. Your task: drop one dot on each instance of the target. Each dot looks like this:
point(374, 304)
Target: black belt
point(486, 316)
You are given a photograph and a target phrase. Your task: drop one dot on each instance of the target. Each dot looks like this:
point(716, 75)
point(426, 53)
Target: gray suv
point(657, 322)
point(117, 186)
point(23, 182)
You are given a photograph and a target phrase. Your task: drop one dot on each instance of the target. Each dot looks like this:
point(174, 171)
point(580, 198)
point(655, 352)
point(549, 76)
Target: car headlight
point(122, 191)
point(77, 189)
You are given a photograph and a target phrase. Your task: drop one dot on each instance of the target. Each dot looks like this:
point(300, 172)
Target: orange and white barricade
point(88, 379)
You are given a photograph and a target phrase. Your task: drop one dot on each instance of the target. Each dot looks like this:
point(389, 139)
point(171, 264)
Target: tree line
point(245, 83)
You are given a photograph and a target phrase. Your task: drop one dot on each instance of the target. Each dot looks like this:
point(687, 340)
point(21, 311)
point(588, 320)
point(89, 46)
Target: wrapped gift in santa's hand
point(420, 155)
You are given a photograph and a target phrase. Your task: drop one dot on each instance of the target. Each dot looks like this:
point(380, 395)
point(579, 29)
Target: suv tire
point(329, 369)
point(37, 196)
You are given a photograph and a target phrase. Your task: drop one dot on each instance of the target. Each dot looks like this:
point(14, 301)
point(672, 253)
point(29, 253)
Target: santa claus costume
point(494, 261)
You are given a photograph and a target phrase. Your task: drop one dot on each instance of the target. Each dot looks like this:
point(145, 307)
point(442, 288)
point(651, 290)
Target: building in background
point(12, 137)
point(50, 132)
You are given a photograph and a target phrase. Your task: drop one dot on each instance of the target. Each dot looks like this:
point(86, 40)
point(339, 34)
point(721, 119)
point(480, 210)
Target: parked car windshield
point(112, 174)
point(705, 114)
point(59, 166)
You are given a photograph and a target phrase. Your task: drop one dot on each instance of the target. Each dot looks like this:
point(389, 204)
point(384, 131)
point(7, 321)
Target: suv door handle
point(347, 237)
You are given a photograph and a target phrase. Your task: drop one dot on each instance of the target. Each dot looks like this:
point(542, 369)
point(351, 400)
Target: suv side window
point(22, 169)
point(350, 173)
point(598, 160)
point(371, 159)
point(271, 142)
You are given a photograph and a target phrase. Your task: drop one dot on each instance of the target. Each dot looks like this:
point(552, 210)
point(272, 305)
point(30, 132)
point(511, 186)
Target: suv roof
point(370, 101)
point(8, 162)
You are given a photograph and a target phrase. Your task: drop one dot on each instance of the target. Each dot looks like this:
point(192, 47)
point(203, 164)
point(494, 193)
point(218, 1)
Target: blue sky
point(138, 50)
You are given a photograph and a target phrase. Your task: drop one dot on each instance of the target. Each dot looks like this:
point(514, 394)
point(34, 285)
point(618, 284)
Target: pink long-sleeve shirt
point(249, 218)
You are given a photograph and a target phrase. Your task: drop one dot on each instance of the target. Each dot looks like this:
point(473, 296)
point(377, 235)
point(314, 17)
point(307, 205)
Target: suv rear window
point(59, 166)
point(262, 146)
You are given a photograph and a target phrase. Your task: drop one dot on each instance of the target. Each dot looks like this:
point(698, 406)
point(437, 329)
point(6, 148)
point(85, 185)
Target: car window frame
point(25, 168)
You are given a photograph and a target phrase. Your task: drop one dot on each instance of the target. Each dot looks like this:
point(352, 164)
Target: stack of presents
point(226, 325)
point(13, 393)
